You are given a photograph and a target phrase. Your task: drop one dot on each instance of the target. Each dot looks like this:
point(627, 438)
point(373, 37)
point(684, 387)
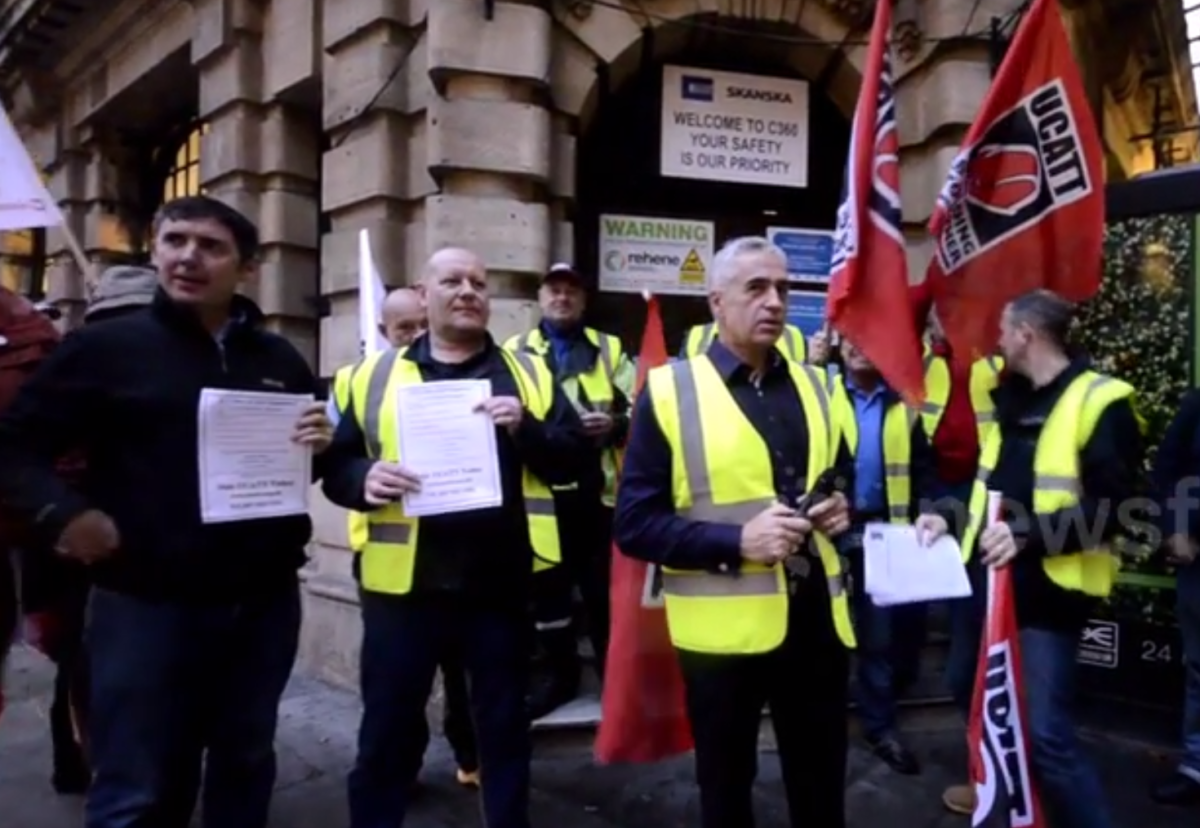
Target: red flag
point(643, 718)
point(997, 739)
point(868, 293)
point(1023, 203)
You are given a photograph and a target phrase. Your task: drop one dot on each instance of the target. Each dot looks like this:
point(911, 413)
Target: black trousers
point(404, 640)
point(8, 606)
point(585, 533)
point(456, 716)
point(804, 682)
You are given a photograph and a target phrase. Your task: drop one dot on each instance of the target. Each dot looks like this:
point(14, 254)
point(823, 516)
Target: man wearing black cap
point(598, 377)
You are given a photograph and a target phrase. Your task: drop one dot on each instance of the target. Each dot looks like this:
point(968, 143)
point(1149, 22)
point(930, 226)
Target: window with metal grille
point(23, 262)
point(183, 175)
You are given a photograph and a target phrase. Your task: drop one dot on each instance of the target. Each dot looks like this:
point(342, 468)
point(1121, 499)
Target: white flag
point(25, 202)
point(370, 298)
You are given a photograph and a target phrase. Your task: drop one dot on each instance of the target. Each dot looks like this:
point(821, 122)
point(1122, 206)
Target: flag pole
point(76, 251)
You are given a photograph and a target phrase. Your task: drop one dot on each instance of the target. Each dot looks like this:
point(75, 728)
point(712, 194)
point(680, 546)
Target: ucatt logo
point(1028, 164)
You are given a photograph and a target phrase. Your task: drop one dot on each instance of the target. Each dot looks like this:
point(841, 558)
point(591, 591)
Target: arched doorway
point(618, 153)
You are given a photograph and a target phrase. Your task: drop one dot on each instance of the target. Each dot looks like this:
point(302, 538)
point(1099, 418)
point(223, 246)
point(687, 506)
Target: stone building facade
point(467, 122)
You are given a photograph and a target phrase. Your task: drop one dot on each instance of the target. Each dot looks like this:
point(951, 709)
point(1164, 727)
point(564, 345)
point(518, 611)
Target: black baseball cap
point(562, 270)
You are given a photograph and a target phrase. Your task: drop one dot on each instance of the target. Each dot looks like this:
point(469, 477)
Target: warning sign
point(665, 256)
point(691, 272)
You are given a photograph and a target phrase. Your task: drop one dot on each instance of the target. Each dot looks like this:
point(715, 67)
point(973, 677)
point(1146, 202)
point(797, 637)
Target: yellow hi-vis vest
point(1056, 479)
point(612, 370)
point(356, 522)
point(898, 422)
point(721, 472)
point(791, 344)
point(985, 376)
point(389, 554)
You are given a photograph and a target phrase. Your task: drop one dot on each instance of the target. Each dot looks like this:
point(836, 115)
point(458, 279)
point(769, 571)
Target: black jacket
point(1109, 471)
point(126, 392)
point(1176, 472)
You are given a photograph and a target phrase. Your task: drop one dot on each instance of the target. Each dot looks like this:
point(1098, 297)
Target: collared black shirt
point(1109, 472)
point(646, 523)
point(484, 553)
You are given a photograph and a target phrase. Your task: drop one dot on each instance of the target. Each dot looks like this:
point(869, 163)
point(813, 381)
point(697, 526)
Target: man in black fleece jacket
point(1066, 456)
point(192, 628)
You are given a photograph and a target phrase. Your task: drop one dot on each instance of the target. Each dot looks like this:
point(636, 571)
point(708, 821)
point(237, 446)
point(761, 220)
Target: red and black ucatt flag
point(997, 736)
point(868, 290)
point(1023, 203)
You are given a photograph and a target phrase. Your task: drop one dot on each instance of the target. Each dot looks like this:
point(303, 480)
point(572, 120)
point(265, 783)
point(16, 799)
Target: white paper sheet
point(898, 569)
point(450, 446)
point(249, 466)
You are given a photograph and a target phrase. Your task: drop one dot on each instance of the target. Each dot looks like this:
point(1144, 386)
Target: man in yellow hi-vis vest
point(724, 447)
point(1066, 456)
point(598, 377)
point(456, 581)
point(957, 412)
point(894, 482)
point(402, 321)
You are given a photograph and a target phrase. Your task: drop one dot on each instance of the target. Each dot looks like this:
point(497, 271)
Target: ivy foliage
point(1138, 328)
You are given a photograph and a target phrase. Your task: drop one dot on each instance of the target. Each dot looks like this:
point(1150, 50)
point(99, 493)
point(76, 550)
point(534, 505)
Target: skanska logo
point(696, 88)
point(744, 93)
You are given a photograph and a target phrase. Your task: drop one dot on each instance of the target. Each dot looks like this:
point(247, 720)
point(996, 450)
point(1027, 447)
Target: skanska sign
point(726, 126)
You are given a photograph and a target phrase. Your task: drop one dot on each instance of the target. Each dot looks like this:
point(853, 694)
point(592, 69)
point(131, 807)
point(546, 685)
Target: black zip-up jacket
point(126, 391)
point(1109, 471)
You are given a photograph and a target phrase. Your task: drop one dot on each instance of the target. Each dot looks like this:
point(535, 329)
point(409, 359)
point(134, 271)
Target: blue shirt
point(561, 340)
point(870, 492)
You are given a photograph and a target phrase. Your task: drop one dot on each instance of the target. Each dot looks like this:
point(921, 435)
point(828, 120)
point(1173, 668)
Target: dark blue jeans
point(404, 639)
point(874, 667)
point(966, 630)
point(1066, 780)
point(965, 615)
point(1188, 596)
point(176, 686)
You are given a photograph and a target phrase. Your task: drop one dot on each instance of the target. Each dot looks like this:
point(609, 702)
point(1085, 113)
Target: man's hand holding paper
point(388, 482)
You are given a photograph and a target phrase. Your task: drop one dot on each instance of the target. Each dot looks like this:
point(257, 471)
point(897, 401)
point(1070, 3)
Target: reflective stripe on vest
point(744, 612)
point(389, 554)
point(791, 344)
point(984, 376)
point(1065, 433)
point(898, 423)
point(598, 384)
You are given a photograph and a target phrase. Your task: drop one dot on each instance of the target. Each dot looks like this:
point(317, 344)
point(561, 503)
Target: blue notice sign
point(809, 252)
point(806, 310)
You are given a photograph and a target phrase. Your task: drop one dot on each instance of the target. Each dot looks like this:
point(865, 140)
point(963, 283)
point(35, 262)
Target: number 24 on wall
point(1155, 652)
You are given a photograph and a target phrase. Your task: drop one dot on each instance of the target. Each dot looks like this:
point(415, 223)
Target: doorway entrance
point(618, 173)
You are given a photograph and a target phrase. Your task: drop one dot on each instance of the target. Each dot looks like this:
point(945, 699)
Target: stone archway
point(589, 35)
point(942, 75)
point(619, 131)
